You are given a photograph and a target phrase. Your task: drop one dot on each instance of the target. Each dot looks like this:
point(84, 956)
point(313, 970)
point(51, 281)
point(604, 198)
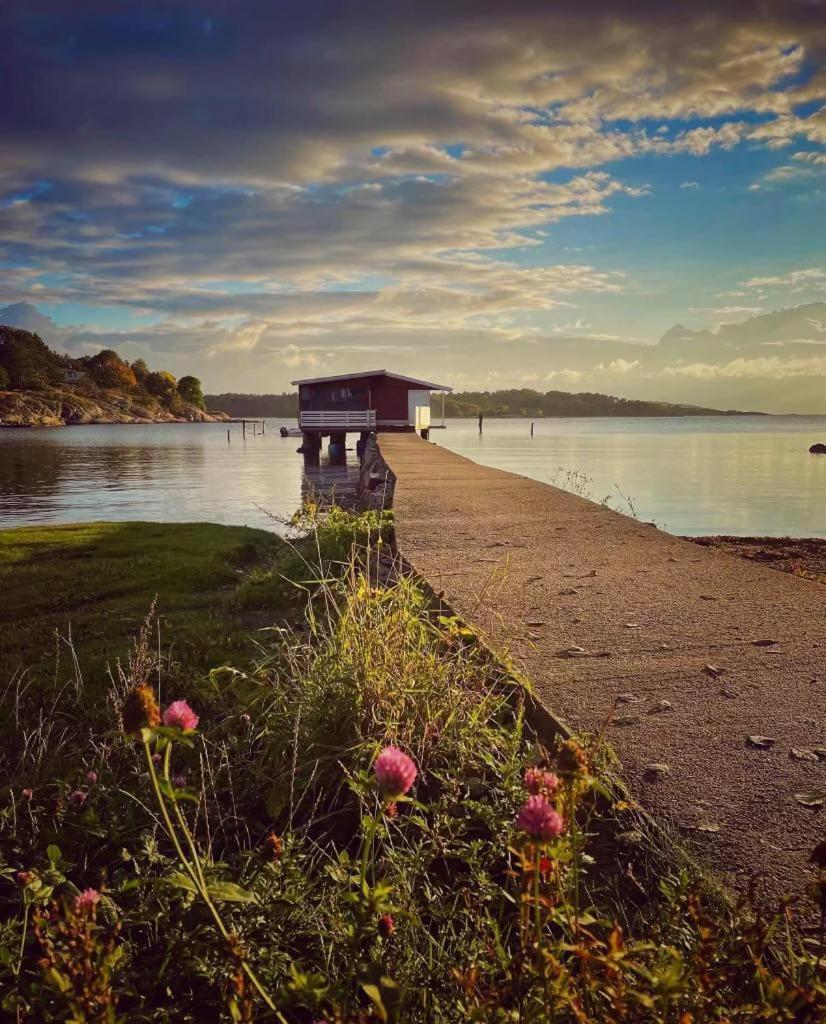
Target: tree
point(141, 370)
point(189, 388)
point(110, 371)
point(162, 385)
point(27, 360)
point(4, 379)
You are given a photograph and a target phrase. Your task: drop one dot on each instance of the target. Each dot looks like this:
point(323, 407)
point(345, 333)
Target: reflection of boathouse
point(359, 403)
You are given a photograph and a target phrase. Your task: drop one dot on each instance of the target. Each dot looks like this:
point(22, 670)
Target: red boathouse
point(362, 402)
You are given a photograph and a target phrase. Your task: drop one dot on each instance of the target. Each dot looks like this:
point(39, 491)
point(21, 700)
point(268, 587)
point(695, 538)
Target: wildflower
point(387, 925)
point(392, 810)
point(395, 772)
point(273, 847)
point(91, 777)
point(179, 715)
point(78, 798)
point(538, 819)
point(140, 710)
point(156, 759)
point(572, 759)
point(245, 719)
point(179, 781)
point(87, 901)
point(545, 866)
point(24, 878)
point(27, 793)
point(537, 780)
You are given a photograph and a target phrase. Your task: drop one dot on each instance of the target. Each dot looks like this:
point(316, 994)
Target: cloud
point(769, 367)
point(794, 280)
point(689, 184)
point(619, 366)
point(565, 376)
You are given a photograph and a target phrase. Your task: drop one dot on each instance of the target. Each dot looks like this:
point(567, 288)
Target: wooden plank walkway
point(680, 637)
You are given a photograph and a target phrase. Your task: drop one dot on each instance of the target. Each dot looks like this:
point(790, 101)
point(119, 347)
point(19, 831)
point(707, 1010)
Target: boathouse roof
point(424, 384)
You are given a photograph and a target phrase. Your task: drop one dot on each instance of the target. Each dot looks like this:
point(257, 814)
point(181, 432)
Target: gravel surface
point(684, 650)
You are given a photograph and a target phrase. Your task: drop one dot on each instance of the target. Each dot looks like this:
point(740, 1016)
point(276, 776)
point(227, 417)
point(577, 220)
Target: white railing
point(337, 419)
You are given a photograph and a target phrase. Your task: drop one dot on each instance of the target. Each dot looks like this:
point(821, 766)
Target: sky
point(484, 194)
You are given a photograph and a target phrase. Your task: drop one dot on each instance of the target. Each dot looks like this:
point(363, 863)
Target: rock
point(814, 799)
point(580, 652)
point(818, 449)
point(764, 643)
point(84, 404)
point(661, 705)
point(803, 755)
point(626, 698)
point(656, 771)
point(761, 742)
point(713, 671)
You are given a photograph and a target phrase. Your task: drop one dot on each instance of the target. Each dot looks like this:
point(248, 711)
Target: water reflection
point(179, 472)
point(691, 475)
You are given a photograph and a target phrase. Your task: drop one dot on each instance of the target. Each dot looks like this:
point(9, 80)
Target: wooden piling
point(228, 440)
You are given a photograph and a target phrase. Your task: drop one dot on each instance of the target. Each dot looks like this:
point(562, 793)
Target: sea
point(743, 475)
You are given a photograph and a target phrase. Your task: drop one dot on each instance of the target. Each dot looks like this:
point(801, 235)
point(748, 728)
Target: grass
point(95, 582)
point(253, 869)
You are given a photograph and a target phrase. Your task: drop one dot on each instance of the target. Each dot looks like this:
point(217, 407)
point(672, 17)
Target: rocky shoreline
point(800, 556)
point(67, 406)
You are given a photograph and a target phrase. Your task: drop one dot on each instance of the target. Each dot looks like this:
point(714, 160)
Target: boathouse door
point(418, 409)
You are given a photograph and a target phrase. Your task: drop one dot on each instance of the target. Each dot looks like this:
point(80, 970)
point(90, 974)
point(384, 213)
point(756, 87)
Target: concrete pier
point(686, 650)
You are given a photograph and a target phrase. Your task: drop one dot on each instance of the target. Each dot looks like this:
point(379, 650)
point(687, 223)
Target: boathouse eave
point(423, 384)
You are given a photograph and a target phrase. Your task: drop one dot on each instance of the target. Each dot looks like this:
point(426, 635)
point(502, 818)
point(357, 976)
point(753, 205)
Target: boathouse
point(362, 402)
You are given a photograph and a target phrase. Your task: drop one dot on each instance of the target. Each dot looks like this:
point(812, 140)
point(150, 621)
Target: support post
point(338, 448)
point(311, 446)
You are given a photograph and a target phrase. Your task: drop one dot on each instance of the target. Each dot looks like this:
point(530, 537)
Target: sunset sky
point(485, 194)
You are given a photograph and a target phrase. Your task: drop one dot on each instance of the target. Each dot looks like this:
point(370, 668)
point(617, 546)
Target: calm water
point(749, 475)
point(691, 475)
point(180, 472)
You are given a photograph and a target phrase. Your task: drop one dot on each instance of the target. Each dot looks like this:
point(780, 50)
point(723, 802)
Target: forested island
point(40, 387)
point(513, 402)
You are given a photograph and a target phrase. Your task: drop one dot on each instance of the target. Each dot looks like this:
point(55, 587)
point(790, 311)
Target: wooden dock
point(692, 651)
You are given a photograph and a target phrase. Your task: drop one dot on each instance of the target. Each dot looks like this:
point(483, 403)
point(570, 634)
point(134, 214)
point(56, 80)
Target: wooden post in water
point(228, 440)
point(244, 428)
point(531, 428)
point(254, 428)
point(263, 427)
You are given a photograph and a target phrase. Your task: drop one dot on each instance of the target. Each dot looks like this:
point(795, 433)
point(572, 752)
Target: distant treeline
point(255, 406)
point(516, 402)
point(525, 402)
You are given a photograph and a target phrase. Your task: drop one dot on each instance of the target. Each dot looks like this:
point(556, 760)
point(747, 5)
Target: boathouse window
point(333, 396)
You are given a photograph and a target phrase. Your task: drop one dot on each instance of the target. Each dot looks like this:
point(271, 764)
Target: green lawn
point(96, 583)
